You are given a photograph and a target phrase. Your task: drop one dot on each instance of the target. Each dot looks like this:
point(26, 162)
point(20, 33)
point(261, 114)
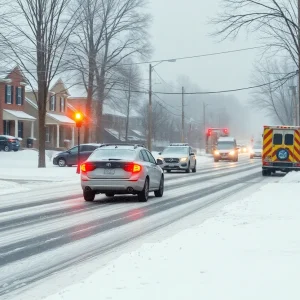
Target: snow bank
point(292, 177)
point(250, 250)
point(7, 187)
point(23, 165)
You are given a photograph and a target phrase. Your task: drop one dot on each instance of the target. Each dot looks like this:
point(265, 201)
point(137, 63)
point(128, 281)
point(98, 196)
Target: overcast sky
point(180, 28)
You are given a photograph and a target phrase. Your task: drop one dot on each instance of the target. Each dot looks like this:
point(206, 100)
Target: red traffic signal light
point(78, 117)
point(225, 131)
point(209, 132)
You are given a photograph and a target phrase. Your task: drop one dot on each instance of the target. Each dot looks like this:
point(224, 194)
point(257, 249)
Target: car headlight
point(184, 159)
point(217, 152)
point(161, 158)
point(231, 153)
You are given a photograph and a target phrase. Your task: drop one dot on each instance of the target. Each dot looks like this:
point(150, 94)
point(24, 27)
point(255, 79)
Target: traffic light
point(225, 131)
point(78, 119)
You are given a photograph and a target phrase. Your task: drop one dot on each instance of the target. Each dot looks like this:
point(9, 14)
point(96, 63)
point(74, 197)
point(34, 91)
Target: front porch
point(13, 123)
point(60, 131)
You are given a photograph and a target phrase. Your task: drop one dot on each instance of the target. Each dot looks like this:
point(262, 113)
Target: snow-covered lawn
point(250, 250)
point(22, 167)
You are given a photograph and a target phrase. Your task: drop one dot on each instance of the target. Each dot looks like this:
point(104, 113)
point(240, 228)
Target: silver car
point(256, 151)
point(121, 169)
point(178, 157)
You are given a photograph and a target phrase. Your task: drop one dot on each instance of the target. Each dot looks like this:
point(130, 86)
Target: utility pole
point(128, 111)
point(182, 116)
point(294, 105)
point(150, 110)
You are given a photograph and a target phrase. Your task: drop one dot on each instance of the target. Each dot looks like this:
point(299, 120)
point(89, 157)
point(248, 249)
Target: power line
point(194, 56)
point(285, 78)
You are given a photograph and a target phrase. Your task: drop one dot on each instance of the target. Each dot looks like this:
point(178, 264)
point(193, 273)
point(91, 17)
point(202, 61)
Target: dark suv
point(69, 157)
point(9, 143)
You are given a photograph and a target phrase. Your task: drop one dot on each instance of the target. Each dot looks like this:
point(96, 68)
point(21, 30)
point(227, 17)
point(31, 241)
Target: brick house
point(13, 116)
point(60, 128)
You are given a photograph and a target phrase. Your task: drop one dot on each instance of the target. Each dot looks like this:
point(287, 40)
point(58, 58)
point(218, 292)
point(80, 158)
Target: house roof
point(16, 115)
point(8, 69)
point(62, 119)
point(32, 103)
point(107, 110)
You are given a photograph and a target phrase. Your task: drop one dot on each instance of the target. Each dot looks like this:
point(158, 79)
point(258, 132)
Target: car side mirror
point(159, 153)
point(192, 154)
point(159, 162)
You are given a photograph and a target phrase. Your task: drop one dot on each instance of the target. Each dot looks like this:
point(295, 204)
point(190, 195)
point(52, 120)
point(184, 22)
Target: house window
point(8, 94)
point(52, 103)
point(47, 134)
point(6, 127)
point(19, 95)
point(62, 104)
point(20, 129)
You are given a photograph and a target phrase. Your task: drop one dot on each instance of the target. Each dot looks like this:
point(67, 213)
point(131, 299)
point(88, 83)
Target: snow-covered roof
point(17, 114)
point(226, 139)
point(137, 132)
point(107, 110)
point(134, 114)
point(31, 103)
point(115, 134)
point(72, 107)
point(61, 118)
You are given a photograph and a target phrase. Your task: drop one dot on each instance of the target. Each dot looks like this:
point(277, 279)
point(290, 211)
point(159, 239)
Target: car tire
point(160, 191)
point(109, 195)
point(89, 196)
point(188, 170)
point(266, 172)
point(216, 160)
point(195, 168)
point(61, 162)
point(144, 194)
point(6, 148)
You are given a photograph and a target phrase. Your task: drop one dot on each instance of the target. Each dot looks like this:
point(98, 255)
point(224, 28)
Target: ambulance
point(281, 149)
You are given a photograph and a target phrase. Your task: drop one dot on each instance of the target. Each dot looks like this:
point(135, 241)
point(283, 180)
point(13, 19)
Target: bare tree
point(86, 42)
point(129, 79)
point(165, 124)
point(276, 21)
point(35, 36)
point(277, 102)
point(110, 32)
point(125, 35)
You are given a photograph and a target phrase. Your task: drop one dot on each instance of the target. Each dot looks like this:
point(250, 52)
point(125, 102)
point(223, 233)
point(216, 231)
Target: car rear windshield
point(175, 150)
point(225, 146)
point(118, 154)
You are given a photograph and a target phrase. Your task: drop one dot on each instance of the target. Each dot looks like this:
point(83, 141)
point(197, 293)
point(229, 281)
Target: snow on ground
point(7, 187)
point(19, 172)
point(250, 250)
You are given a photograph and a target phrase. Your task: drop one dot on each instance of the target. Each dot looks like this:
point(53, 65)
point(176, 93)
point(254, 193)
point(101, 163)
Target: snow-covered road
point(51, 229)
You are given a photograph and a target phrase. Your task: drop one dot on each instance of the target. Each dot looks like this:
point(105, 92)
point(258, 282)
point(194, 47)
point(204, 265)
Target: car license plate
point(109, 171)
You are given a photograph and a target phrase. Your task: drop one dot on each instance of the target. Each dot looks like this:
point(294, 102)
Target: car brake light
point(87, 167)
point(133, 168)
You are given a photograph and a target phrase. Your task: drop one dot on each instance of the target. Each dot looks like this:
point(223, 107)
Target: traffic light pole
point(78, 153)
